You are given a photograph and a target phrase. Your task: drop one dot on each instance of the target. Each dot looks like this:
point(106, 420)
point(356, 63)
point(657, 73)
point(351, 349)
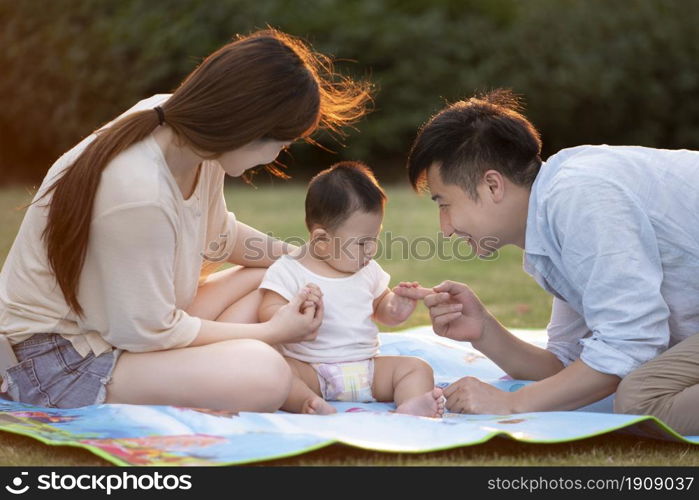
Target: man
point(611, 232)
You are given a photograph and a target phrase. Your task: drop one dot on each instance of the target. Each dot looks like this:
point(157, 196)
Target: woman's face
point(252, 154)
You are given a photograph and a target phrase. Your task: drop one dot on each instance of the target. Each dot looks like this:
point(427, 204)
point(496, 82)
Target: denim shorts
point(51, 373)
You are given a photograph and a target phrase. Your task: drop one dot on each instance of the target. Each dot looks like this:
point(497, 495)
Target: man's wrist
point(489, 325)
point(518, 401)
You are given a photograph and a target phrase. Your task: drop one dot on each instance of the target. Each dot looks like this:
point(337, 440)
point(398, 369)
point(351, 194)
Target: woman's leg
point(666, 387)
point(217, 298)
point(235, 375)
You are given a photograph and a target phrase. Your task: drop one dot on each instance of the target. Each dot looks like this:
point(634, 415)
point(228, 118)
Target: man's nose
point(445, 225)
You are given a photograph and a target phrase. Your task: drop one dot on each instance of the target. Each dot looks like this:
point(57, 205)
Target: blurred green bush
point(590, 71)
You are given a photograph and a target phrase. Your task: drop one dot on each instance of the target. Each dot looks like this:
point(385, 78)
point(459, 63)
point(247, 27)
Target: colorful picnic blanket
point(167, 435)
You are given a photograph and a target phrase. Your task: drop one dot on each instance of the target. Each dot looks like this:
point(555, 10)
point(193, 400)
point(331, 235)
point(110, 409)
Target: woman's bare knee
point(267, 374)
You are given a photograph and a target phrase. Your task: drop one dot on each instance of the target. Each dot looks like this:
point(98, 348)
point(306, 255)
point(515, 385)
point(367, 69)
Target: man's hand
point(470, 395)
point(456, 312)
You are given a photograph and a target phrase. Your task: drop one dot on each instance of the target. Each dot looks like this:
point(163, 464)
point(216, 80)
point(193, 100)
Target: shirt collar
point(533, 242)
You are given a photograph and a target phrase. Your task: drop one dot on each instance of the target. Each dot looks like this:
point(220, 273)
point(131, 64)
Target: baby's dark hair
point(335, 193)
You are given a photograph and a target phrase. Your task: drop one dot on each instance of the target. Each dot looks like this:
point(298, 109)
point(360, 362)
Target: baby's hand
point(404, 299)
point(315, 296)
point(411, 290)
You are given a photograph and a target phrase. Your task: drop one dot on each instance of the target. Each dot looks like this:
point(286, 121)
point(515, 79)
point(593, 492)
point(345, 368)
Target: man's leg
point(666, 387)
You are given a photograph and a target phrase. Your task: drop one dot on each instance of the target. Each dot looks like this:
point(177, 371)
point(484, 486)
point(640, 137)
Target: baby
point(344, 213)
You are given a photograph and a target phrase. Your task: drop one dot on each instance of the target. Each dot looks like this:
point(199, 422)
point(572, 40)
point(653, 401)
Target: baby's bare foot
point(317, 406)
point(430, 404)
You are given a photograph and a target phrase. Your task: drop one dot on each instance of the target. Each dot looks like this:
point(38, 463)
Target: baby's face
point(355, 242)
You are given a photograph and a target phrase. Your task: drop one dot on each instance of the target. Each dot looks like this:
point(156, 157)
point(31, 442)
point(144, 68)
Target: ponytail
point(70, 211)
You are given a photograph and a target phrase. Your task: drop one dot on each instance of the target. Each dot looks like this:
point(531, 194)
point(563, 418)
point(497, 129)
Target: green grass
point(502, 285)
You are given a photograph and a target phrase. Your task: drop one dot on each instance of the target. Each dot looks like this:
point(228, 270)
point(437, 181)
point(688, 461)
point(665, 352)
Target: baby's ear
point(319, 234)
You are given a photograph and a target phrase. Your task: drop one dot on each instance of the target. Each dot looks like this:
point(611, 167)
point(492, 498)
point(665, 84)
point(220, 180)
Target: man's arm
point(575, 386)
point(457, 313)
point(519, 359)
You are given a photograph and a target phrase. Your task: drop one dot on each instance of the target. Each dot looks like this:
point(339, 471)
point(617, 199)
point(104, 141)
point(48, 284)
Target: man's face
point(460, 215)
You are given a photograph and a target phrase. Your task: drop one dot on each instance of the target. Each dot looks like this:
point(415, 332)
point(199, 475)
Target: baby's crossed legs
point(404, 379)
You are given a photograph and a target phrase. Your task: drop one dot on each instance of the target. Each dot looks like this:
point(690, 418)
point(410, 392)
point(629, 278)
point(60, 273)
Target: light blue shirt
point(613, 233)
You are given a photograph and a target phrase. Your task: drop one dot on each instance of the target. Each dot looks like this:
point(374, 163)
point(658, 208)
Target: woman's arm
point(287, 321)
point(215, 331)
point(253, 248)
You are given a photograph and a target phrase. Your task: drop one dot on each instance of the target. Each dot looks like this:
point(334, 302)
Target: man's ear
point(495, 182)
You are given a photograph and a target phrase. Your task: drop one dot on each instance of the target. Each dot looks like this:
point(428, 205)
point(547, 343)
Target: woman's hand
point(456, 312)
point(300, 319)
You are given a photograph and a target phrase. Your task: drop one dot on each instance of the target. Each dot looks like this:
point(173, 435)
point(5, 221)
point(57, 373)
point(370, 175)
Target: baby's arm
point(272, 302)
point(395, 306)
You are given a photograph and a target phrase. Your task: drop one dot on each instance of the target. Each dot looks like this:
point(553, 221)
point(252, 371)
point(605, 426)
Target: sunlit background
point(589, 72)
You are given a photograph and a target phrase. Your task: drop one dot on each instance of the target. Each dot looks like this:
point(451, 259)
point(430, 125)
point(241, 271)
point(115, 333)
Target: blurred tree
point(590, 70)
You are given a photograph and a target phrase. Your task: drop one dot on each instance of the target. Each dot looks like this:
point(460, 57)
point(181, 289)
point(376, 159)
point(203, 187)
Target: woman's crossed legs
point(235, 375)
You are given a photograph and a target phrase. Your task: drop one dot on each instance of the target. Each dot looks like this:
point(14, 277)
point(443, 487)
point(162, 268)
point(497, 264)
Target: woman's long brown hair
point(264, 85)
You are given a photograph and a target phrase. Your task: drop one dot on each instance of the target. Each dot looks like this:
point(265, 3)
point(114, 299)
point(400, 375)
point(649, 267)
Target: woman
point(104, 294)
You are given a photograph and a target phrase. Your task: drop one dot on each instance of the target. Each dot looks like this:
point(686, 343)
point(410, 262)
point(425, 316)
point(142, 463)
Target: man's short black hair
point(468, 138)
point(337, 192)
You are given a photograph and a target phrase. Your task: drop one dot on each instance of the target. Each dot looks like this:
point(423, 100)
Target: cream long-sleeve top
point(148, 251)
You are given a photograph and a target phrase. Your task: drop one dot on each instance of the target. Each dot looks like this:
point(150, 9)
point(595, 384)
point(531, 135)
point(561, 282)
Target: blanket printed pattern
point(168, 435)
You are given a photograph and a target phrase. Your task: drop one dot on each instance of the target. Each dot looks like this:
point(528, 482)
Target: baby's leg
point(304, 396)
point(410, 383)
